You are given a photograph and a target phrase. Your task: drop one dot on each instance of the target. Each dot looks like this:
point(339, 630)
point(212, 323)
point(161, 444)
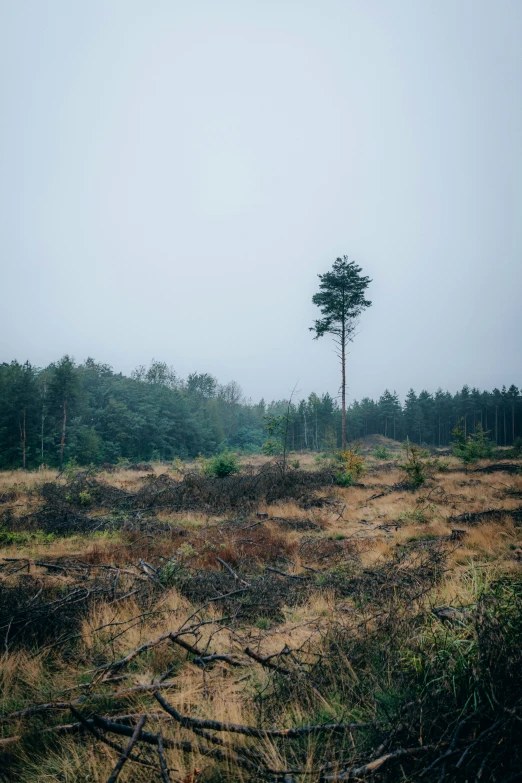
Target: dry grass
point(22, 479)
point(356, 530)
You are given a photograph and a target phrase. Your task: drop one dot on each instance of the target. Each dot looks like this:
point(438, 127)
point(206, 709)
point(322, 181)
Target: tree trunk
point(23, 439)
point(496, 424)
point(343, 388)
point(505, 438)
point(42, 429)
point(62, 442)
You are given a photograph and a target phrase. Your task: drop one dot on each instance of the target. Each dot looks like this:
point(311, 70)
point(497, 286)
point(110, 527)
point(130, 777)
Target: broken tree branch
point(126, 753)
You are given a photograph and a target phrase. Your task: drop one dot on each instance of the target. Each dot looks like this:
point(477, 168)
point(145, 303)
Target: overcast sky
point(174, 175)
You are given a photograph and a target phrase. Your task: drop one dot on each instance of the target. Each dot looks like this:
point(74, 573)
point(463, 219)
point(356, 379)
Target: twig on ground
point(231, 571)
point(126, 753)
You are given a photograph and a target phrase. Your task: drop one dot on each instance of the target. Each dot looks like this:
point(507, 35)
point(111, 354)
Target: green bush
point(20, 538)
point(171, 573)
point(85, 498)
point(271, 447)
point(381, 452)
point(473, 447)
point(71, 468)
point(416, 465)
point(224, 464)
point(344, 479)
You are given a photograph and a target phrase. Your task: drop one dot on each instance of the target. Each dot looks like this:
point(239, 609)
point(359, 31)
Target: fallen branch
point(284, 573)
point(163, 761)
point(150, 572)
point(373, 766)
point(188, 747)
point(106, 741)
point(251, 731)
point(204, 658)
point(172, 635)
point(231, 571)
point(126, 753)
point(265, 661)
point(228, 595)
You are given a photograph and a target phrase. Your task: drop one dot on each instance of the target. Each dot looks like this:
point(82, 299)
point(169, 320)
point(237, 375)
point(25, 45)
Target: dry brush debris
point(246, 644)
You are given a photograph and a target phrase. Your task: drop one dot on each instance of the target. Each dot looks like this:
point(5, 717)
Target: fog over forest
point(176, 175)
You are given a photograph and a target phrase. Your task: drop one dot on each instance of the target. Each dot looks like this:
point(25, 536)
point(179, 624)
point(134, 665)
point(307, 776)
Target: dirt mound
point(371, 442)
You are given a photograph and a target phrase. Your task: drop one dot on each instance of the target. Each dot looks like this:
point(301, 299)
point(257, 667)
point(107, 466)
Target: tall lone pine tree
point(341, 301)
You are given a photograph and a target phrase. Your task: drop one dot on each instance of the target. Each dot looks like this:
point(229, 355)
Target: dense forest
point(89, 413)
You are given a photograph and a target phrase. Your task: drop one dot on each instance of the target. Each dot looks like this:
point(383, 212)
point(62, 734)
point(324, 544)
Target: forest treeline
point(89, 413)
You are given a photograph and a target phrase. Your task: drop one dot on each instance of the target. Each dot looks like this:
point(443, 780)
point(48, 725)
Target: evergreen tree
point(341, 300)
point(426, 416)
point(94, 415)
point(513, 396)
point(18, 412)
point(389, 412)
point(63, 388)
point(25, 395)
point(412, 416)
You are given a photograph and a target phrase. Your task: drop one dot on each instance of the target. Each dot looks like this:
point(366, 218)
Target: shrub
point(85, 498)
point(178, 466)
point(186, 551)
point(172, 573)
point(71, 469)
point(224, 464)
point(20, 538)
point(344, 479)
point(271, 447)
point(472, 448)
point(352, 462)
point(381, 452)
point(416, 465)
point(418, 516)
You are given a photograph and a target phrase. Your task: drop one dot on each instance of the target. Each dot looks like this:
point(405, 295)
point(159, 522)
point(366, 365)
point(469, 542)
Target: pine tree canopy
point(341, 298)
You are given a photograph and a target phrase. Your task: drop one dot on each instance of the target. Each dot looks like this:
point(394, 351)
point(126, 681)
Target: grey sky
point(173, 176)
